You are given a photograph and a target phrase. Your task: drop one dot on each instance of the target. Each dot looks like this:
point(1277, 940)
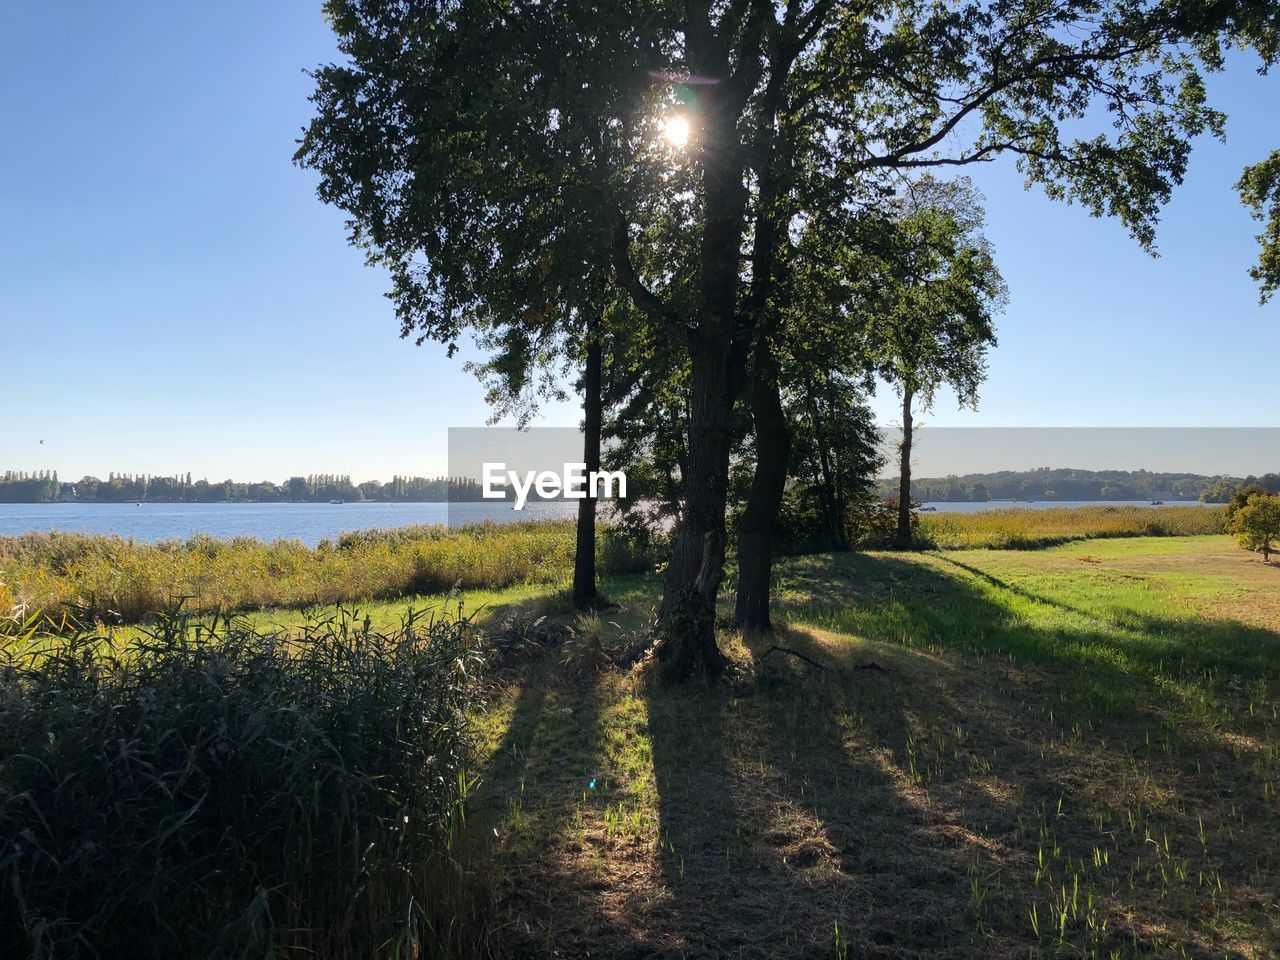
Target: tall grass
point(113, 579)
point(1021, 529)
point(218, 792)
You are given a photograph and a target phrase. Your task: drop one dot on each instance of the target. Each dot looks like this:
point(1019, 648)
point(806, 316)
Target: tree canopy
point(500, 159)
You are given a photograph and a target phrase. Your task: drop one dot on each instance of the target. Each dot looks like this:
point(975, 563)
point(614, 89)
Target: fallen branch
point(797, 654)
point(789, 651)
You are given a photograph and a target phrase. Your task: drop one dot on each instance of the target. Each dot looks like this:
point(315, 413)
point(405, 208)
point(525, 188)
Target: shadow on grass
point(537, 777)
point(1058, 785)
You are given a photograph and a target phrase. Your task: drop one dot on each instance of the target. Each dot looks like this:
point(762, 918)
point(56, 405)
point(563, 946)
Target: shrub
point(222, 792)
point(804, 526)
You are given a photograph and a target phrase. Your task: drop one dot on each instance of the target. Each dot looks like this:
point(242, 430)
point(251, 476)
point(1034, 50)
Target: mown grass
point(1020, 528)
point(114, 580)
point(1072, 752)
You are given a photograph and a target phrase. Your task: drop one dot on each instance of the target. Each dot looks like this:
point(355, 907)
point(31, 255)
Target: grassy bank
point(1020, 528)
point(1066, 752)
point(118, 580)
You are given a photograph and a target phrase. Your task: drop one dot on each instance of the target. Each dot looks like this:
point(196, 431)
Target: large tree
point(491, 155)
point(811, 357)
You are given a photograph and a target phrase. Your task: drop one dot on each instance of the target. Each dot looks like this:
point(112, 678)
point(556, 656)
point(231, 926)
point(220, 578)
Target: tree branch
point(648, 302)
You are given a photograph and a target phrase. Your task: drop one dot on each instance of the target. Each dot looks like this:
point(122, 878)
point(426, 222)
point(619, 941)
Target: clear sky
point(173, 297)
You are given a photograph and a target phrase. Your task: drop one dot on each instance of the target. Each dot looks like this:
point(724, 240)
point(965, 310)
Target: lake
point(313, 522)
point(308, 522)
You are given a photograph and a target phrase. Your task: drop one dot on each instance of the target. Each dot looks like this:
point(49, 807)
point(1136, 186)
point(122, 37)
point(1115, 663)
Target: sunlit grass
point(1020, 528)
point(113, 580)
point(1068, 752)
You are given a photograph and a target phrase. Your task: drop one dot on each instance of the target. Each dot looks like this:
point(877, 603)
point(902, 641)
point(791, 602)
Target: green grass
point(215, 791)
point(1069, 752)
point(113, 580)
point(1021, 528)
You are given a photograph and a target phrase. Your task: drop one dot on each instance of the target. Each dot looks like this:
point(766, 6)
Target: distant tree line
point(1069, 484)
point(45, 487)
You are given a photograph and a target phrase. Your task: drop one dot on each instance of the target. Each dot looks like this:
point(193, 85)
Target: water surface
point(308, 522)
point(313, 522)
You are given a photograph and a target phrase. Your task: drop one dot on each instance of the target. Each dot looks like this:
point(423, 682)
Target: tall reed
point(112, 579)
point(219, 792)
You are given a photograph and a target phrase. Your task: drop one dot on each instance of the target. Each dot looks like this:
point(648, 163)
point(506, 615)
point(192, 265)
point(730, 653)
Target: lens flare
point(677, 131)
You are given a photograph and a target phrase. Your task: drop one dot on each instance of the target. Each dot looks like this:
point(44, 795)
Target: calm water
point(313, 522)
point(308, 522)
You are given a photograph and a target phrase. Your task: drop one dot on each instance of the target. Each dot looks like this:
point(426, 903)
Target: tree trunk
point(903, 539)
point(718, 344)
point(687, 642)
point(768, 484)
point(827, 494)
point(584, 558)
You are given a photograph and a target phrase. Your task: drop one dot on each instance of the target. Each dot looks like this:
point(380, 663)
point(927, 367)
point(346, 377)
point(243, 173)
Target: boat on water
point(335, 501)
point(1157, 503)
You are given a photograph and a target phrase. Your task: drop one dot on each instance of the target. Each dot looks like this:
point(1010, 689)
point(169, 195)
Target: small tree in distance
point(1257, 524)
point(940, 290)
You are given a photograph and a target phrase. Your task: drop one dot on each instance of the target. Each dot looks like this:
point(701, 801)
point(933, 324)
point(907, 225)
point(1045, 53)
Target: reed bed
point(219, 792)
point(1023, 529)
point(115, 580)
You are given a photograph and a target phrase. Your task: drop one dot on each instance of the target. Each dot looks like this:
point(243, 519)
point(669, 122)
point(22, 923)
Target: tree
point(1257, 524)
point(1239, 498)
point(495, 158)
point(939, 289)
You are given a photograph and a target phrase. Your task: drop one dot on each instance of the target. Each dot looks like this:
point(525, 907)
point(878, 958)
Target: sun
point(676, 130)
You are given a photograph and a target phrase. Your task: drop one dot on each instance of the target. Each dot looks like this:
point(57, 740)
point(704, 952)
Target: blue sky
point(173, 297)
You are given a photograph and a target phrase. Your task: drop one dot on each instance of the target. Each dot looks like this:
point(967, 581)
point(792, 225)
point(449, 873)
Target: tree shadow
point(1164, 705)
point(942, 807)
point(546, 755)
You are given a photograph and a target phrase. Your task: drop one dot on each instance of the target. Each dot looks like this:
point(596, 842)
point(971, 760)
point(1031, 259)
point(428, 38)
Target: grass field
point(1071, 751)
point(1020, 528)
point(1067, 752)
point(113, 580)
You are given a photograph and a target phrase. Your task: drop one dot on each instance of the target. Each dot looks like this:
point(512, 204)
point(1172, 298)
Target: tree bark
point(768, 484)
point(584, 559)
point(904, 539)
point(687, 641)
